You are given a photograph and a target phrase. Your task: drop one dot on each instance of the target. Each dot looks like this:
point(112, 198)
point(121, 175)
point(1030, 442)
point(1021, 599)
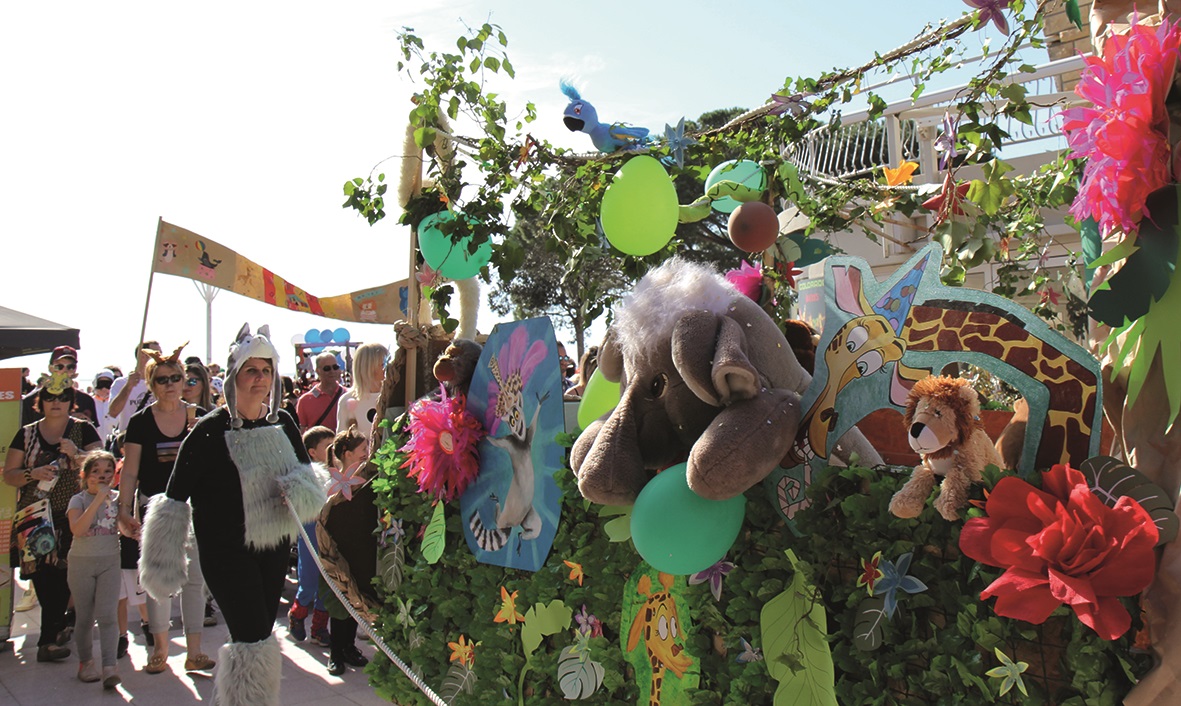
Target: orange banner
point(183, 253)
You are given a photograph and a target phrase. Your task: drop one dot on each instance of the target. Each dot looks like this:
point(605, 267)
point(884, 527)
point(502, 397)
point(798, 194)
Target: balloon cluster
point(326, 336)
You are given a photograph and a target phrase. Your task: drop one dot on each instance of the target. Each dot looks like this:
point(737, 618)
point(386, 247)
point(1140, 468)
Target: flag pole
point(151, 275)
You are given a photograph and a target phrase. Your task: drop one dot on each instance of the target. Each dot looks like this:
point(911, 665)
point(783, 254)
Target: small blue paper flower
point(894, 579)
point(748, 654)
point(675, 138)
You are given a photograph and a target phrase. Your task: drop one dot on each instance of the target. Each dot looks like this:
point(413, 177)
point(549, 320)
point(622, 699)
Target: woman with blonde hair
point(358, 406)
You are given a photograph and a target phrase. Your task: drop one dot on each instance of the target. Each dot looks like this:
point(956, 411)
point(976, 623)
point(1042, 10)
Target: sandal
point(156, 664)
point(199, 663)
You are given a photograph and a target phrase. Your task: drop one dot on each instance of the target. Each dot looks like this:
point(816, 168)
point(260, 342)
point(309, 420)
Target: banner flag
point(183, 253)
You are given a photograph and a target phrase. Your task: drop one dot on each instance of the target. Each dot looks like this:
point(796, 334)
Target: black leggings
point(247, 585)
point(53, 593)
point(342, 635)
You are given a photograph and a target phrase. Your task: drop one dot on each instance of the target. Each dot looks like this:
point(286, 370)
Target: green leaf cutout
point(389, 567)
point(1110, 479)
point(542, 620)
point(620, 528)
point(433, 538)
point(578, 675)
point(797, 655)
point(870, 625)
point(460, 679)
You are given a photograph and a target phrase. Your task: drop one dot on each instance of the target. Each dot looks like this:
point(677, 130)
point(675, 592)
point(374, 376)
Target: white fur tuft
point(162, 567)
point(249, 673)
point(469, 307)
point(268, 467)
point(662, 297)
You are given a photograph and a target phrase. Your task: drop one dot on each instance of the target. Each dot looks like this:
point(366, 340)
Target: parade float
point(720, 529)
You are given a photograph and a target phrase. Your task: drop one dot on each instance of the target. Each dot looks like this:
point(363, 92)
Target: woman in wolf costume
point(235, 468)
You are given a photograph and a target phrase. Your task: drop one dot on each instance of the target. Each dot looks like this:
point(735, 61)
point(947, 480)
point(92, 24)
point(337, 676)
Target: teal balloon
point(639, 212)
point(450, 259)
point(600, 397)
point(340, 335)
point(312, 336)
point(744, 172)
point(326, 336)
point(679, 532)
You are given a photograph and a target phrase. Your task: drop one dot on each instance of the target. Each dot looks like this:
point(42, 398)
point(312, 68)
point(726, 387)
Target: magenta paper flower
point(442, 446)
point(512, 366)
point(747, 279)
point(1123, 134)
point(993, 11)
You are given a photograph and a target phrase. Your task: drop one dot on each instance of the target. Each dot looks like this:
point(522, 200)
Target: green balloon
point(600, 397)
point(679, 532)
point(744, 172)
point(450, 259)
point(640, 209)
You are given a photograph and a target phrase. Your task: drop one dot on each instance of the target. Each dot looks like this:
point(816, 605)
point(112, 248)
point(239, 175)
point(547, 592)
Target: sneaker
point(210, 618)
point(335, 667)
point(353, 657)
point(121, 650)
point(110, 678)
point(149, 639)
point(88, 673)
point(27, 601)
point(321, 638)
point(297, 629)
point(52, 653)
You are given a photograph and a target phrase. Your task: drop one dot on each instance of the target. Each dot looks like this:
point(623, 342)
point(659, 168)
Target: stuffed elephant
point(705, 374)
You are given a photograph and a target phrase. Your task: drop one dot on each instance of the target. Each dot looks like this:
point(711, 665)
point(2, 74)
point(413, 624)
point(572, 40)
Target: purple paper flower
point(795, 105)
point(714, 575)
point(945, 143)
point(588, 624)
point(993, 10)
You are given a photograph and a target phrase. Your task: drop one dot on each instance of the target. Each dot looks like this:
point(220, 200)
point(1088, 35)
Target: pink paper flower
point(747, 279)
point(1124, 133)
point(442, 447)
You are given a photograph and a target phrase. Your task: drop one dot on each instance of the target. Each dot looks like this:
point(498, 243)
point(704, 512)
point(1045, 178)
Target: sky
point(241, 121)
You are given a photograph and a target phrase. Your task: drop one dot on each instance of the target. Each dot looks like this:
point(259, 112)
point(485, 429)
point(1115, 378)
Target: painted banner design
point(183, 253)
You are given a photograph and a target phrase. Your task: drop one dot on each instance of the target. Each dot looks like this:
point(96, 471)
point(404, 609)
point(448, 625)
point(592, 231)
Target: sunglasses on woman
point(165, 379)
point(193, 382)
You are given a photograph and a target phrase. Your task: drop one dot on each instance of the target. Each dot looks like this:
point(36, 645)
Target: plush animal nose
point(916, 429)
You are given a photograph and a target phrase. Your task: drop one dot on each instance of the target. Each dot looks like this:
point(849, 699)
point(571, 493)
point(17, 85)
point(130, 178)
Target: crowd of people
point(92, 467)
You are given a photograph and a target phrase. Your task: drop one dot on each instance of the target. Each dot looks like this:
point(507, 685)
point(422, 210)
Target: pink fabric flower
point(1124, 133)
point(1062, 545)
point(747, 279)
point(442, 447)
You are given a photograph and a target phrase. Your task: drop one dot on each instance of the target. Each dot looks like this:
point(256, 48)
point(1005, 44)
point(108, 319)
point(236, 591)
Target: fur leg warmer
point(268, 468)
point(162, 568)
point(248, 673)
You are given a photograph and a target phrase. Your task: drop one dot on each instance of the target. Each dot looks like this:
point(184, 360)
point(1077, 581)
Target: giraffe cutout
point(658, 624)
point(873, 352)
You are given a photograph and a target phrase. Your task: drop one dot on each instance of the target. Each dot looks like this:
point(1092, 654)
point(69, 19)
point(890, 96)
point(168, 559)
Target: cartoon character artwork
point(511, 511)
point(581, 116)
point(206, 265)
point(167, 251)
point(881, 337)
point(656, 619)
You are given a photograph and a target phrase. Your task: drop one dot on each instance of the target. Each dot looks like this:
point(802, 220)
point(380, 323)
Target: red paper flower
point(1062, 545)
point(442, 450)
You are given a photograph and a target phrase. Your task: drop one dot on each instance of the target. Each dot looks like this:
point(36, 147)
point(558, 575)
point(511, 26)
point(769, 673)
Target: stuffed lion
point(943, 426)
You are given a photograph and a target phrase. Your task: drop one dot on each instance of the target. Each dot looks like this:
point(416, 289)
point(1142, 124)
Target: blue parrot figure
point(581, 116)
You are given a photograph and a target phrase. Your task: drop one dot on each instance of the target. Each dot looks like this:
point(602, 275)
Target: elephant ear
point(709, 351)
point(611, 357)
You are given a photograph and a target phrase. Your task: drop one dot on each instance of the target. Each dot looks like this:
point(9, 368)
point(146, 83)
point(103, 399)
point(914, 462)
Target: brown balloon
point(753, 227)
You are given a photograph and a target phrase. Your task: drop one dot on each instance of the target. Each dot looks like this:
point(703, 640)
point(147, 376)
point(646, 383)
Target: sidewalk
point(25, 682)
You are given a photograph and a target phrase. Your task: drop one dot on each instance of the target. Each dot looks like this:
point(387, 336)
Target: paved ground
point(25, 682)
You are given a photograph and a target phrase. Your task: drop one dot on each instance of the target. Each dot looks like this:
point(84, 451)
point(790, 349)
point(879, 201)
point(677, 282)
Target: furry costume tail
point(248, 673)
point(162, 568)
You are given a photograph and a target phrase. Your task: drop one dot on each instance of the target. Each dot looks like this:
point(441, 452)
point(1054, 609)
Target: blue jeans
point(309, 575)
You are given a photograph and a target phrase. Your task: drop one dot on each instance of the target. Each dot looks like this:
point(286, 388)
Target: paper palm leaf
point(578, 675)
point(459, 679)
point(794, 630)
point(433, 538)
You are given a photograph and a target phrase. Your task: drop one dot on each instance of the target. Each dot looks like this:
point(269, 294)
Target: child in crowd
point(93, 567)
point(350, 449)
point(318, 442)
